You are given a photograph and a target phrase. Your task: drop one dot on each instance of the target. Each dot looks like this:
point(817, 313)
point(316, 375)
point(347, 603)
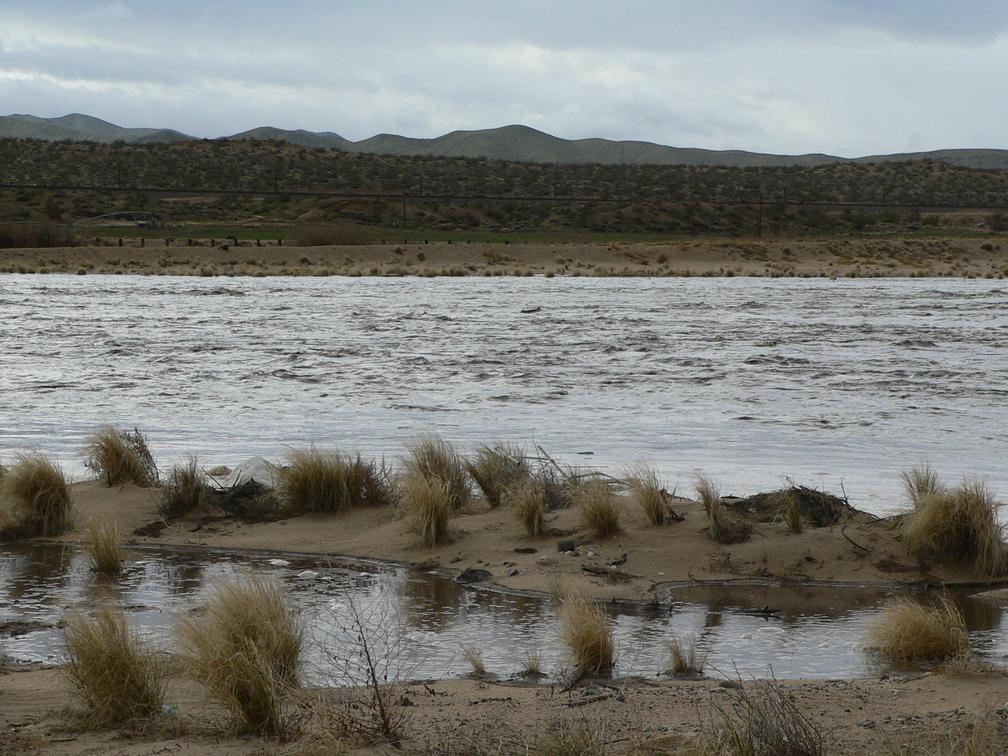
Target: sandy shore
point(856, 257)
point(934, 713)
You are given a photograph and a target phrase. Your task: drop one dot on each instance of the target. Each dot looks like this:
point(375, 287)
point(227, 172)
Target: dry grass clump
point(497, 469)
point(651, 495)
point(428, 507)
point(320, 481)
point(531, 663)
point(113, 673)
point(908, 630)
point(528, 502)
point(598, 510)
point(435, 459)
point(246, 648)
point(585, 631)
point(103, 547)
point(183, 490)
point(39, 494)
point(958, 525)
point(472, 654)
point(720, 526)
point(760, 719)
point(575, 737)
point(792, 514)
point(120, 457)
point(921, 482)
point(685, 656)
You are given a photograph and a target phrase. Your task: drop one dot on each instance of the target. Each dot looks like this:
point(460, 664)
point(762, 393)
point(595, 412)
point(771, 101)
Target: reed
point(39, 494)
point(497, 469)
point(435, 459)
point(528, 502)
point(110, 669)
point(598, 510)
point(103, 547)
point(183, 490)
point(958, 525)
point(649, 490)
point(908, 630)
point(246, 648)
point(585, 631)
point(428, 508)
point(120, 457)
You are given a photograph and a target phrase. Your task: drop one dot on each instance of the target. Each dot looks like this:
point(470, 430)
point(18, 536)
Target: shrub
point(650, 493)
point(246, 648)
point(761, 720)
point(908, 630)
point(958, 525)
point(183, 490)
point(39, 494)
point(428, 507)
point(598, 512)
point(103, 547)
point(498, 469)
point(921, 482)
point(435, 459)
point(528, 502)
point(114, 674)
point(120, 457)
point(586, 633)
point(685, 656)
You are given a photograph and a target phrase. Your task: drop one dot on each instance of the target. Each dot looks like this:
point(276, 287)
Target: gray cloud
point(842, 76)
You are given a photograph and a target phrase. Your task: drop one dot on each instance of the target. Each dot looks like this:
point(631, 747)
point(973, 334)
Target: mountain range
point(514, 143)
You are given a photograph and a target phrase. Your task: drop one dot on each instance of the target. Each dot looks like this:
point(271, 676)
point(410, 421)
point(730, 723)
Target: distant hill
point(514, 143)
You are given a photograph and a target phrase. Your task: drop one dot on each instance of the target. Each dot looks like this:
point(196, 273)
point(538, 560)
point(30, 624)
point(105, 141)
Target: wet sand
point(839, 257)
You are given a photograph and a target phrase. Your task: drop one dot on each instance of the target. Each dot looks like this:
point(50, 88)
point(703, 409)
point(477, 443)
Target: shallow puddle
point(422, 620)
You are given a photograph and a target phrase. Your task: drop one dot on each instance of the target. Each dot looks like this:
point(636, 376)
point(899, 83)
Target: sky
point(845, 77)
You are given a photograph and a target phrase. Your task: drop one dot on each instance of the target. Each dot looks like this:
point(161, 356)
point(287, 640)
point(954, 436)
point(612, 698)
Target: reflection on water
point(805, 632)
point(749, 379)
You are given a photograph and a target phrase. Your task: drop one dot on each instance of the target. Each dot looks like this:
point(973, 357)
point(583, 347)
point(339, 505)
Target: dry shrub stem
point(111, 670)
point(39, 494)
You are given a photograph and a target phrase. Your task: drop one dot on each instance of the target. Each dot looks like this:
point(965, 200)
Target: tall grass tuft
point(586, 633)
point(498, 469)
point(528, 502)
point(650, 492)
point(958, 525)
point(920, 483)
point(720, 526)
point(113, 673)
point(685, 656)
point(760, 719)
point(103, 547)
point(428, 508)
point(39, 494)
point(908, 630)
point(575, 737)
point(472, 654)
point(120, 457)
point(246, 648)
point(321, 481)
point(182, 490)
point(435, 459)
point(598, 510)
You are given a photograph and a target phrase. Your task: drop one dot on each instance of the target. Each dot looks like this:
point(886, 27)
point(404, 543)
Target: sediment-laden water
point(813, 632)
point(747, 379)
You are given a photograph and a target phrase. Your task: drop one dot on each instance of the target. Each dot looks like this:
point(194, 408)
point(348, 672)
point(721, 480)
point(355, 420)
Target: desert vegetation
point(586, 634)
point(528, 502)
point(121, 456)
point(909, 630)
point(428, 505)
point(436, 461)
point(38, 494)
point(183, 489)
point(111, 670)
point(685, 656)
point(651, 494)
point(598, 509)
point(497, 469)
point(246, 649)
point(320, 481)
point(720, 525)
point(103, 547)
point(760, 719)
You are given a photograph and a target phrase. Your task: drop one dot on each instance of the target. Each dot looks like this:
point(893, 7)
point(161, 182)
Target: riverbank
point(634, 564)
point(951, 711)
point(854, 257)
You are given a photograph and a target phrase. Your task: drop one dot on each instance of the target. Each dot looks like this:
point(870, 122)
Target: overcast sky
point(848, 77)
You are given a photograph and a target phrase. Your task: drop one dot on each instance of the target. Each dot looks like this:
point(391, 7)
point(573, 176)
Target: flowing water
point(815, 633)
point(749, 380)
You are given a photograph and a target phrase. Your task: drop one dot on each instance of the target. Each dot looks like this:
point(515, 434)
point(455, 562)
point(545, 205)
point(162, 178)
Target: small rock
point(526, 550)
point(546, 561)
point(473, 575)
point(732, 684)
point(567, 545)
point(514, 572)
point(307, 574)
point(869, 723)
point(279, 562)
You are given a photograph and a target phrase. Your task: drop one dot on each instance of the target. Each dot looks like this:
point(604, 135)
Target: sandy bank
point(859, 550)
point(856, 257)
point(933, 713)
